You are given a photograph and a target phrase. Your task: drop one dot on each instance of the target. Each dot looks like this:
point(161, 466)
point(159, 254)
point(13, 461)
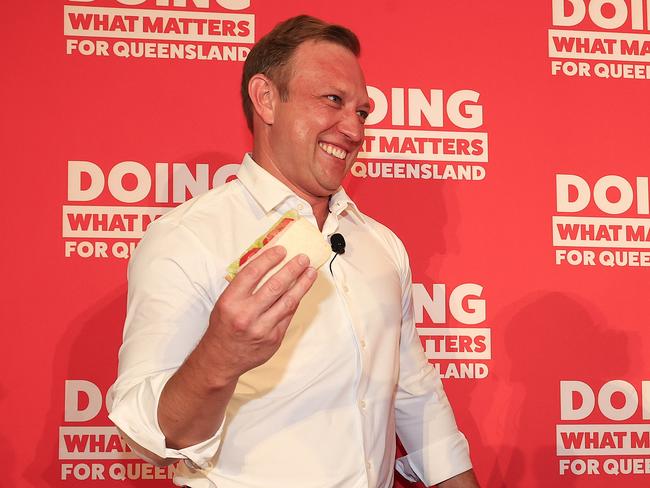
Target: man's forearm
point(246, 328)
point(463, 480)
point(191, 407)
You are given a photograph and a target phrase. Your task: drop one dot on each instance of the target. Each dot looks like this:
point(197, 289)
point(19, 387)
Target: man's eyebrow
point(338, 89)
point(344, 93)
point(365, 105)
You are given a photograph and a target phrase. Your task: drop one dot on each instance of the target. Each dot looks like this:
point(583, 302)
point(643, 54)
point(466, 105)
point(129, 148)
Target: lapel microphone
point(337, 241)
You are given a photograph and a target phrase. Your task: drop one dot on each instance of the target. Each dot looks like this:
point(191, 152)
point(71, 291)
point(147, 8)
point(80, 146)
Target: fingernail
point(303, 259)
point(311, 272)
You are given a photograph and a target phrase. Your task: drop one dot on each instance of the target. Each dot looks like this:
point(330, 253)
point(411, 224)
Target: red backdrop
point(507, 148)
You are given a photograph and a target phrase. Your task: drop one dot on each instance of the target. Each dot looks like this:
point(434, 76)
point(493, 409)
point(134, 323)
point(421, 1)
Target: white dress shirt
point(323, 411)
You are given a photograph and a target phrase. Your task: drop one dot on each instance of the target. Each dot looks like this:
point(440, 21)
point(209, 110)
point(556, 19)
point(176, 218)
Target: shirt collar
point(269, 192)
point(340, 201)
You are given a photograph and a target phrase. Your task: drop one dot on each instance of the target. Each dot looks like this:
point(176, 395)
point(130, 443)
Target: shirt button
point(346, 289)
point(301, 207)
point(363, 344)
point(362, 404)
point(368, 465)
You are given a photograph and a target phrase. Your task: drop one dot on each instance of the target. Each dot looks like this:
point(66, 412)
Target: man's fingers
point(248, 278)
point(277, 284)
point(283, 309)
point(286, 286)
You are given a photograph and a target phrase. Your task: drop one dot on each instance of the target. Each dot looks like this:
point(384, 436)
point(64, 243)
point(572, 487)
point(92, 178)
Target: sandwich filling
point(287, 219)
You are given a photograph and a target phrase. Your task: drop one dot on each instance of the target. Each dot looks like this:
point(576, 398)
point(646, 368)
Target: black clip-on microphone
point(337, 241)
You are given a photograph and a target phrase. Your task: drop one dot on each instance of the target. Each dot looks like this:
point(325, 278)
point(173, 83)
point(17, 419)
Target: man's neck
point(319, 205)
point(321, 209)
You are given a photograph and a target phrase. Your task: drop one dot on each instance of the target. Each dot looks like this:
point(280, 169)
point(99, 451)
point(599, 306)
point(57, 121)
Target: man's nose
point(352, 127)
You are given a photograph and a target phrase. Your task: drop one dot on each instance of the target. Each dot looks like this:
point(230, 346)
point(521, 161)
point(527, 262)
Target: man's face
point(317, 133)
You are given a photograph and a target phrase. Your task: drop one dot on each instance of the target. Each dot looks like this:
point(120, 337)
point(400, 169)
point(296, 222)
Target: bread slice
point(298, 236)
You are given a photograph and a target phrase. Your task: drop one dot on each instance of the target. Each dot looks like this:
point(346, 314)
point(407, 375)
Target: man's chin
point(331, 185)
point(328, 192)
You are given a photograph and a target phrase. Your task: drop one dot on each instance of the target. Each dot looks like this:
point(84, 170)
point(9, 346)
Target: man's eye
point(362, 114)
point(334, 98)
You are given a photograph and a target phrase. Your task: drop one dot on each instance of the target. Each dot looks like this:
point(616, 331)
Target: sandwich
point(296, 234)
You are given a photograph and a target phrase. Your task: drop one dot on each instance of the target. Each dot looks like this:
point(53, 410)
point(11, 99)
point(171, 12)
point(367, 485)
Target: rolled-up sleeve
point(173, 284)
point(131, 413)
point(436, 449)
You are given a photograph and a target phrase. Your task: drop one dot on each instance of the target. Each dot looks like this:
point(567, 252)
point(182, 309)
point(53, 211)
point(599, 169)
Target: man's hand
point(246, 328)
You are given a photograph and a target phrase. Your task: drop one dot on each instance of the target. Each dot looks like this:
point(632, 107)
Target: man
point(303, 382)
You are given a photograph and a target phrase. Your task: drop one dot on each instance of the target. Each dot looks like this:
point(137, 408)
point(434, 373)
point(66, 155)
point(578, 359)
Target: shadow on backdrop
point(540, 340)
point(87, 351)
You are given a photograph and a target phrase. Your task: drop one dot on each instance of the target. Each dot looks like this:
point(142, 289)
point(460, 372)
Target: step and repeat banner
point(507, 147)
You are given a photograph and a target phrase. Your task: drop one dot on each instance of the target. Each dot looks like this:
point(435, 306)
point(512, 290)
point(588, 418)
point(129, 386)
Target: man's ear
point(264, 96)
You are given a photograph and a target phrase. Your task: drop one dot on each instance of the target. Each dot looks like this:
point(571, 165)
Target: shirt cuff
point(135, 412)
point(436, 462)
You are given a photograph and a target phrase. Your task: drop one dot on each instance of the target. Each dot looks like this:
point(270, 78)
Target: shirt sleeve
point(173, 284)
point(425, 422)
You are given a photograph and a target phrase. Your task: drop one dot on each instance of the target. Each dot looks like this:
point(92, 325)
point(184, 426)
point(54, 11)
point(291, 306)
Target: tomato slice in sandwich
point(260, 242)
point(248, 255)
point(267, 238)
point(276, 230)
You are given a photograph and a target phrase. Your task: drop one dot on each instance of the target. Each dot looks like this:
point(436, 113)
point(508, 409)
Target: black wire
point(331, 272)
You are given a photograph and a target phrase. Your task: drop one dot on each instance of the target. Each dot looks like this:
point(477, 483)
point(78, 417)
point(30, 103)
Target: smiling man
point(304, 381)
